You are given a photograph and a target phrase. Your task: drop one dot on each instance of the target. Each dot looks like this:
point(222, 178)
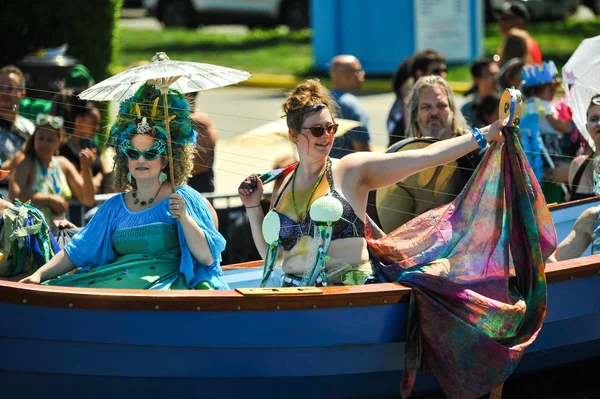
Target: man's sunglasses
point(54, 121)
point(150, 154)
point(319, 130)
point(439, 71)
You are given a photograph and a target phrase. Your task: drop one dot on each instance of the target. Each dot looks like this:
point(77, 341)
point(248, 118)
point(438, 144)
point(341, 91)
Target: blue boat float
point(342, 342)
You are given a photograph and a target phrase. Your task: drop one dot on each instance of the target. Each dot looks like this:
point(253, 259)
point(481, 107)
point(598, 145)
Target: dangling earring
point(129, 177)
point(162, 177)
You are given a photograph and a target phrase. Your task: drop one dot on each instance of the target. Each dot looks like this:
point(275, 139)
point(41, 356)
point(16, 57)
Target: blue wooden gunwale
point(345, 342)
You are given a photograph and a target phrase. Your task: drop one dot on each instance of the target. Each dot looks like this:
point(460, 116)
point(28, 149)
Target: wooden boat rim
point(328, 297)
point(570, 204)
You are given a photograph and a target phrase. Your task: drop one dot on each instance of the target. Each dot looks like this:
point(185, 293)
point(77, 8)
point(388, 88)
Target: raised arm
point(563, 126)
point(251, 200)
point(381, 170)
point(81, 184)
point(21, 180)
point(578, 239)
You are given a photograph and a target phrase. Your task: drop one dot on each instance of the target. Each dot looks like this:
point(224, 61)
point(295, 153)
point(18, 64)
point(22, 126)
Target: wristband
point(479, 137)
point(253, 206)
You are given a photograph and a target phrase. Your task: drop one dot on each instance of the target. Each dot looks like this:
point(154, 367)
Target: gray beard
point(440, 133)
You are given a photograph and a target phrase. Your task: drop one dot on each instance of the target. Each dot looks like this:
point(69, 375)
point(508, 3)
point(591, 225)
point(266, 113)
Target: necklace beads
point(314, 189)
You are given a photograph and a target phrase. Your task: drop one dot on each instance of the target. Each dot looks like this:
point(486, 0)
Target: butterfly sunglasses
point(319, 130)
point(54, 121)
point(150, 154)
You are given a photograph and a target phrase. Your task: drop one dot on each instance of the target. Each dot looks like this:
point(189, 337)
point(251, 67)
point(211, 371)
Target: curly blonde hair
point(183, 163)
point(300, 101)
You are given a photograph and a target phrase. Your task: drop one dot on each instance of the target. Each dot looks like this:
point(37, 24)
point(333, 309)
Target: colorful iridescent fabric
point(25, 240)
point(476, 269)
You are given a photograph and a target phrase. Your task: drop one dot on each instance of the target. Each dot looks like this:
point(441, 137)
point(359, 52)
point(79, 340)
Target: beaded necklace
point(311, 193)
point(144, 203)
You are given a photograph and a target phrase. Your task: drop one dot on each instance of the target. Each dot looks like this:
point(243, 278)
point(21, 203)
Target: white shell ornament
point(270, 227)
point(326, 209)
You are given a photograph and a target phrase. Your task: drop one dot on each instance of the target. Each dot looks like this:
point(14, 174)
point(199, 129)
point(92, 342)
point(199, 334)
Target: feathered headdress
point(144, 111)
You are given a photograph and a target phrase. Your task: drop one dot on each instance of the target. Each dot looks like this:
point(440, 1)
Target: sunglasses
point(439, 71)
point(150, 154)
point(54, 121)
point(319, 130)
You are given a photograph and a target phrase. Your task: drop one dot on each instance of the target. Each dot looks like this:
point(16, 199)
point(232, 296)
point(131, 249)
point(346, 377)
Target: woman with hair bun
point(318, 209)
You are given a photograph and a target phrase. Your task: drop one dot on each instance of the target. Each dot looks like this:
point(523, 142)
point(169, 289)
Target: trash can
point(45, 74)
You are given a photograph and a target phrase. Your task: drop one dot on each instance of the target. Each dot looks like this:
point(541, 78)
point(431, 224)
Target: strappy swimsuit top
point(596, 235)
point(576, 179)
point(349, 225)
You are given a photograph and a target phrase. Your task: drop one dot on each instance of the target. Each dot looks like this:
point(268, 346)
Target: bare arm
point(575, 165)
point(81, 184)
point(563, 126)
point(97, 181)
point(21, 180)
point(57, 266)
point(194, 234)
point(361, 146)
point(381, 170)
point(207, 137)
point(251, 200)
point(578, 239)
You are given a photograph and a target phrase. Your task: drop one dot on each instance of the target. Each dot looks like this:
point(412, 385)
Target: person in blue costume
point(148, 237)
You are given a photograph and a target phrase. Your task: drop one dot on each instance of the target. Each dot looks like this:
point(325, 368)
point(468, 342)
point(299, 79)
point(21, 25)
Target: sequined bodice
point(349, 225)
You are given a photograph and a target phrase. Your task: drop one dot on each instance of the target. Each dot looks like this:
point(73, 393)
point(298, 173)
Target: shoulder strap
point(330, 175)
point(575, 183)
point(280, 193)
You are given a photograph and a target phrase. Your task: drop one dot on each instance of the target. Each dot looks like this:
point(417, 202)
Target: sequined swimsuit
point(349, 225)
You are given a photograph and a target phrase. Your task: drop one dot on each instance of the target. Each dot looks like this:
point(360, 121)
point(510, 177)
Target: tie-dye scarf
point(476, 269)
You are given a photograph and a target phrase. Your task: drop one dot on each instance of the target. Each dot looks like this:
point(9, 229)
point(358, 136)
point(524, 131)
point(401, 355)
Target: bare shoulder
point(575, 165)
point(23, 164)
point(65, 164)
point(62, 161)
point(357, 160)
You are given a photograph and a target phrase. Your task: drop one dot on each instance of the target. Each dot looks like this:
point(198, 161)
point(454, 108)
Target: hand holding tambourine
point(511, 107)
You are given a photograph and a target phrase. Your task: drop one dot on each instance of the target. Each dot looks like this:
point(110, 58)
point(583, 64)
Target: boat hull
point(343, 342)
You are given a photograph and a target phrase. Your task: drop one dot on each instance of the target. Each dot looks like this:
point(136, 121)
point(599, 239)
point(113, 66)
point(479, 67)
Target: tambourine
point(511, 107)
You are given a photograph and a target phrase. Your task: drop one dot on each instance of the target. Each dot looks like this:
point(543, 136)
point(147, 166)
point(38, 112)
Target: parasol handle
point(164, 91)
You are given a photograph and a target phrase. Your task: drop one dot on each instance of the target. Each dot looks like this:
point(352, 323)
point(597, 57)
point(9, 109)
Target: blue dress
point(146, 249)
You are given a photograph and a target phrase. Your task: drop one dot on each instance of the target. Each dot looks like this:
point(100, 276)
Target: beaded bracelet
point(479, 137)
point(253, 206)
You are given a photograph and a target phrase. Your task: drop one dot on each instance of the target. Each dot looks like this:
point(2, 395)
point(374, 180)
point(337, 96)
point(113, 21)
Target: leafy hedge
point(87, 26)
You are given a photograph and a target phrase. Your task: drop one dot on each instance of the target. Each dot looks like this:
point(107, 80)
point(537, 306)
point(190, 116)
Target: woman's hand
point(35, 278)
point(251, 191)
point(86, 157)
point(493, 132)
point(177, 206)
point(63, 224)
point(57, 204)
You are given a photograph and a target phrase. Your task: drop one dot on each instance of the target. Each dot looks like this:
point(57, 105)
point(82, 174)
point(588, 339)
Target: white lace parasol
point(581, 81)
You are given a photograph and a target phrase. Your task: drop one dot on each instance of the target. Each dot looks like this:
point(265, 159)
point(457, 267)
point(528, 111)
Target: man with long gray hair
point(432, 110)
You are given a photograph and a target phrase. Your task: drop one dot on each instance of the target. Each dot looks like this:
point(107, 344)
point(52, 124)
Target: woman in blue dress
point(148, 237)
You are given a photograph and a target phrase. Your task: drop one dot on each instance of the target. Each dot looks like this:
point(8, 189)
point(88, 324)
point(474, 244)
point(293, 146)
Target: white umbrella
point(185, 77)
point(581, 81)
